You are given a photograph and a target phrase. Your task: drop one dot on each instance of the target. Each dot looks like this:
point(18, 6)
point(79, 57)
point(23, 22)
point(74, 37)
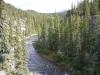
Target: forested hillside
point(72, 41)
point(15, 26)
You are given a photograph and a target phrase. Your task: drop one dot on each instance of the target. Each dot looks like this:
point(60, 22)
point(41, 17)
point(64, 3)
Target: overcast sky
point(44, 6)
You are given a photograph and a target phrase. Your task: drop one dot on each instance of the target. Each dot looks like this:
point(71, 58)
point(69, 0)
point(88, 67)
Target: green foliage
point(75, 38)
point(3, 42)
point(71, 41)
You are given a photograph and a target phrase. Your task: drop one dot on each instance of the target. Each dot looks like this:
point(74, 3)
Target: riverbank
point(55, 58)
point(38, 64)
point(61, 61)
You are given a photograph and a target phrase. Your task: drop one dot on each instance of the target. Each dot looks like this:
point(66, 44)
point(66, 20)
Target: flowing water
point(39, 65)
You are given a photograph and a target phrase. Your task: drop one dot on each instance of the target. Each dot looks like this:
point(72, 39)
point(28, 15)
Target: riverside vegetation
point(15, 26)
point(72, 40)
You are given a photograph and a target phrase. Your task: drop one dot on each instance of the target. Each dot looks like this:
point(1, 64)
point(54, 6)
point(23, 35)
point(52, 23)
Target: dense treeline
point(3, 44)
point(12, 48)
point(73, 41)
point(15, 26)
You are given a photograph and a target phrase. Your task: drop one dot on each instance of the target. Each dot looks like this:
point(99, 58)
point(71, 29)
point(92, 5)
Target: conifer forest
point(71, 42)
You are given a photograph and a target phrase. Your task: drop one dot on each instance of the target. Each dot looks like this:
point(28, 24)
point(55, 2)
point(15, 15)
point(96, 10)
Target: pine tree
point(3, 46)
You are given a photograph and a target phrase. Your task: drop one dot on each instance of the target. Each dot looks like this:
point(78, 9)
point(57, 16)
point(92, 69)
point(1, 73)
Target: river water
point(39, 65)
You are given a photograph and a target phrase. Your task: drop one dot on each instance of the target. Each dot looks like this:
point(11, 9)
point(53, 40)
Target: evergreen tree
point(3, 46)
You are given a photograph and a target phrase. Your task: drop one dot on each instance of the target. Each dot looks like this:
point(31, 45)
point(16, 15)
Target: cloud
point(46, 6)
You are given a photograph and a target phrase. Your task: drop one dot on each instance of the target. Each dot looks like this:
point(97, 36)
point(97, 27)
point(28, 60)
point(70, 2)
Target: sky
point(43, 6)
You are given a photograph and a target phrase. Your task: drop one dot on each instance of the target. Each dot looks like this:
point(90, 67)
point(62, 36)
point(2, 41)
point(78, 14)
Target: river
point(38, 65)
